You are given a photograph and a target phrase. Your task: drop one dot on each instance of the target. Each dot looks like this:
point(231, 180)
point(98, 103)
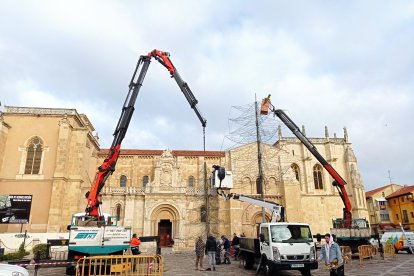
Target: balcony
point(153, 190)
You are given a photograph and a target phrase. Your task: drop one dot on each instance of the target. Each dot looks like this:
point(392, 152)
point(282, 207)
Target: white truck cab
point(287, 246)
point(282, 245)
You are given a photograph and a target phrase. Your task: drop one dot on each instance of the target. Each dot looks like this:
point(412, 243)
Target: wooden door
point(164, 232)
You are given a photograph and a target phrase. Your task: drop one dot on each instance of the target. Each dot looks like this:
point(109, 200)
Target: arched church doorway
point(166, 221)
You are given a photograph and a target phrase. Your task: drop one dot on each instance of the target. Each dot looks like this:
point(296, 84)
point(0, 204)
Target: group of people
point(213, 248)
point(330, 252)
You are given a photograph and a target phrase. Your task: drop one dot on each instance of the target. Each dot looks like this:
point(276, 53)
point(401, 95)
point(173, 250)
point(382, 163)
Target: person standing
point(134, 244)
point(235, 242)
point(331, 254)
point(226, 246)
point(199, 249)
point(211, 247)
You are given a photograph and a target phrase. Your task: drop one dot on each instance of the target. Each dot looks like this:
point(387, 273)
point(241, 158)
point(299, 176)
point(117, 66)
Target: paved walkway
point(183, 263)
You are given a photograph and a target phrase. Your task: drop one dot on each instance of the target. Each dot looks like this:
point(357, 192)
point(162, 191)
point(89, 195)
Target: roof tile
point(404, 190)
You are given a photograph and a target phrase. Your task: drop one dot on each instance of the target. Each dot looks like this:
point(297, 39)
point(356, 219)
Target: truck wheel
point(70, 271)
point(306, 272)
point(249, 261)
point(248, 264)
point(266, 268)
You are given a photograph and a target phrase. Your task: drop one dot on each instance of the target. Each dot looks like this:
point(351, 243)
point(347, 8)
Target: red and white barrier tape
point(55, 263)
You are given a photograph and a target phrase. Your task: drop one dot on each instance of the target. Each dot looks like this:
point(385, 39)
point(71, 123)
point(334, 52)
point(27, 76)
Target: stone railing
point(158, 190)
point(35, 110)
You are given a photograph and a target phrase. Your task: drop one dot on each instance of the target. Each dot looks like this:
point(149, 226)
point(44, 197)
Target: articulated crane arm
point(163, 58)
point(338, 182)
point(108, 165)
point(277, 210)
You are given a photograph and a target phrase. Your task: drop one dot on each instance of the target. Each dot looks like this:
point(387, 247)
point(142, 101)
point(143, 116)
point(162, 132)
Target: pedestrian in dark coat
point(226, 246)
point(211, 247)
point(235, 242)
point(199, 249)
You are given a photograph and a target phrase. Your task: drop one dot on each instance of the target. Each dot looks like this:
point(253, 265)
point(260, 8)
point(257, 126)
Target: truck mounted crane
point(109, 163)
point(93, 232)
point(360, 233)
point(281, 245)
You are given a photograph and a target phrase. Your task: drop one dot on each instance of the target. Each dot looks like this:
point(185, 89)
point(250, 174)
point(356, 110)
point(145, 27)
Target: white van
point(401, 243)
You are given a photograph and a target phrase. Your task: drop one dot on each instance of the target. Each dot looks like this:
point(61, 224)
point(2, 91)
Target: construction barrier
point(127, 265)
point(346, 254)
point(365, 251)
point(49, 264)
point(389, 250)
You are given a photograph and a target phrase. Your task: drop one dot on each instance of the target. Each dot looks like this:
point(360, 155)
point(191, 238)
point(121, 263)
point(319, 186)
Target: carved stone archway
point(162, 214)
point(251, 220)
point(257, 219)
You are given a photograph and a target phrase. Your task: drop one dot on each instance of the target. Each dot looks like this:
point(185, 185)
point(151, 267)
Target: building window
point(259, 186)
point(122, 181)
point(412, 215)
point(34, 156)
point(203, 214)
point(405, 216)
point(382, 205)
point(296, 170)
point(317, 177)
point(397, 216)
point(402, 199)
point(191, 181)
point(145, 180)
point(118, 212)
point(395, 202)
point(385, 217)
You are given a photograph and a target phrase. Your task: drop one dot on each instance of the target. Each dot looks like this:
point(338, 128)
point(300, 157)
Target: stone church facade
point(52, 154)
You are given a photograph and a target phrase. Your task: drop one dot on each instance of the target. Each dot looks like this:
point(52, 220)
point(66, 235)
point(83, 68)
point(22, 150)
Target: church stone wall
point(62, 133)
point(178, 186)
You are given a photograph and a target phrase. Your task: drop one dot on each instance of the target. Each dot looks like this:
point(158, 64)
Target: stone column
point(59, 178)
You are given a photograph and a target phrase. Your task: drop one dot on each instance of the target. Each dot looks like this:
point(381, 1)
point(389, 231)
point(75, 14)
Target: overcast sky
point(334, 63)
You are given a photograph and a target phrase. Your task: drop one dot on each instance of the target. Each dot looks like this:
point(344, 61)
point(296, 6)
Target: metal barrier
point(346, 254)
point(365, 251)
point(389, 250)
point(128, 265)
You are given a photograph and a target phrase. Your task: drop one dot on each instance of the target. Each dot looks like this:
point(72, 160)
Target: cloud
point(340, 64)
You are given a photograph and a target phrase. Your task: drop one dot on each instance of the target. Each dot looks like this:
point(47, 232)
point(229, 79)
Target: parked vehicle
point(400, 242)
point(281, 245)
point(12, 270)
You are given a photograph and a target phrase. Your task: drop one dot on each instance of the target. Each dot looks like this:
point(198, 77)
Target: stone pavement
point(183, 263)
